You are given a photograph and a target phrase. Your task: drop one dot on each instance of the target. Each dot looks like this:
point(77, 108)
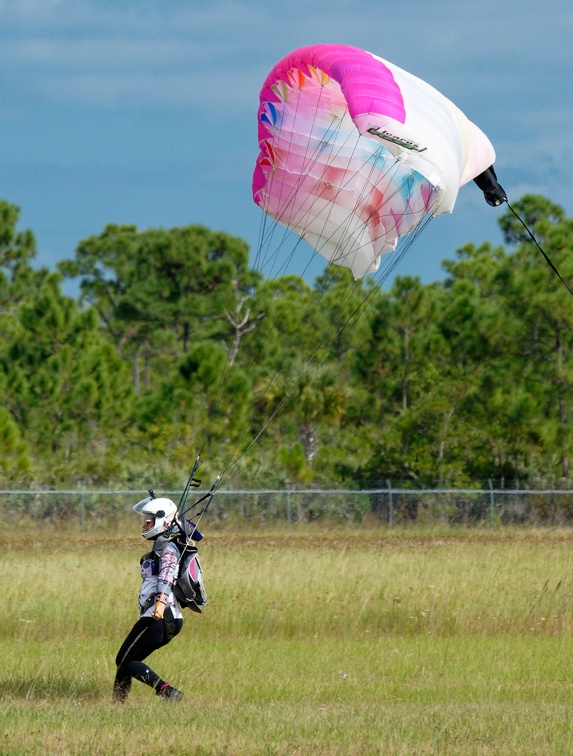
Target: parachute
point(355, 155)
point(355, 152)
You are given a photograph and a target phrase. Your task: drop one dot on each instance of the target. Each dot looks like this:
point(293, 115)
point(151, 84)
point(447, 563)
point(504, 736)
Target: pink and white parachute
point(355, 152)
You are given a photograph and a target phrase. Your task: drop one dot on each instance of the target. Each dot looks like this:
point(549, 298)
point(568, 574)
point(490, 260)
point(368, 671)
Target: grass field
point(334, 642)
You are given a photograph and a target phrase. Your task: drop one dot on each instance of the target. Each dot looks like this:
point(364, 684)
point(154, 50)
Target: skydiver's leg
point(142, 640)
point(146, 636)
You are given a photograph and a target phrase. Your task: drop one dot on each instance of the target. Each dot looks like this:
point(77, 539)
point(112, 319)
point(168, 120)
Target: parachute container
point(189, 589)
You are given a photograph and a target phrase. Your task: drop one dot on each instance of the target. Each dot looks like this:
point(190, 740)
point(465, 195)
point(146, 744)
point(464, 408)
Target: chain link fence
point(386, 506)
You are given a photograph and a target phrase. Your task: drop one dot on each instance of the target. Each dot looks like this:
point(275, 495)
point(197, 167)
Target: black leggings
point(145, 637)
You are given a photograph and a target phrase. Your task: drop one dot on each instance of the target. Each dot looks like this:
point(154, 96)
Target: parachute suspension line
point(216, 403)
point(310, 207)
point(545, 255)
point(392, 169)
point(404, 245)
point(208, 497)
point(381, 276)
point(310, 158)
point(183, 509)
point(327, 217)
point(359, 308)
point(308, 163)
point(356, 310)
point(192, 482)
point(291, 348)
point(224, 372)
point(308, 313)
point(355, 314)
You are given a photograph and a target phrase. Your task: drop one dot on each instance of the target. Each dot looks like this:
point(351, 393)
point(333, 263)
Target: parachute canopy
point(355, 152)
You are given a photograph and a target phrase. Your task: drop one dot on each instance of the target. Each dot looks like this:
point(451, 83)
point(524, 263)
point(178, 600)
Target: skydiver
point(160, 616)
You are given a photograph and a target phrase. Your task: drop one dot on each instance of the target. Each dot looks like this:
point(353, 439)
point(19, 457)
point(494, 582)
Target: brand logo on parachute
point(406, 143)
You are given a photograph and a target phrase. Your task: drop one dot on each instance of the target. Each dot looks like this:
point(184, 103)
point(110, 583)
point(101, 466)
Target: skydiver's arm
point(168, 566)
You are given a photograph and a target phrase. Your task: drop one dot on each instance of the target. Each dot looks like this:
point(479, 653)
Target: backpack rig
point(188, 588)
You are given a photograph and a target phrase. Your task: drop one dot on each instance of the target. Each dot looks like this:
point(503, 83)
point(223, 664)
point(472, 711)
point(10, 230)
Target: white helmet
point(162, 510)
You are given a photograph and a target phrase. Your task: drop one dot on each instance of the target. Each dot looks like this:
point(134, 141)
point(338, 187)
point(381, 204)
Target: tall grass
point(343, 641)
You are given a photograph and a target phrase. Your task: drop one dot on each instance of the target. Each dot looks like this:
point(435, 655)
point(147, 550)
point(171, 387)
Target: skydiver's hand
point(158, 609)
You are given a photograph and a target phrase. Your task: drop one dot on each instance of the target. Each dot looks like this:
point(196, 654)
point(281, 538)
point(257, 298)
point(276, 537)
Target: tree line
point(176, 344)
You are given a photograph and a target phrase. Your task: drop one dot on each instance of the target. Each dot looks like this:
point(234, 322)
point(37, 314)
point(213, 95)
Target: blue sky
point(144, 112)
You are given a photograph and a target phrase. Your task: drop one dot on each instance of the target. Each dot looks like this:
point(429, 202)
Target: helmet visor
point(140, 505)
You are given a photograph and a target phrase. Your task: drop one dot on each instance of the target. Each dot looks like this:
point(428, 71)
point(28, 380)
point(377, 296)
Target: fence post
point(552, 502)
point(288, 515)
point(82, 512)
point(390, 505)
point(491, 504)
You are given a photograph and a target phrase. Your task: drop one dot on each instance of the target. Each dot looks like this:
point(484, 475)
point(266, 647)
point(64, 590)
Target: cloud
point(215, 95)
point(122, 59)
point(29, 11)
point(115, 84)
point(181, 54)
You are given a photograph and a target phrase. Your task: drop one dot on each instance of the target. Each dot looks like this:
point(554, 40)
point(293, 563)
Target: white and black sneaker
point(168, 693)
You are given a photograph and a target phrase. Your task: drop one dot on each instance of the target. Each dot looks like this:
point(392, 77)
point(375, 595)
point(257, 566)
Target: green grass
point(313, 642)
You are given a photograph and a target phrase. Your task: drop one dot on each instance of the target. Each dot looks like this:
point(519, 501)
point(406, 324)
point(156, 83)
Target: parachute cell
point(355, 152)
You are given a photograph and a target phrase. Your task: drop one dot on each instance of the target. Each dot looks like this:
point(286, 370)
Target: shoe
point(121, 693)
point(170, 694)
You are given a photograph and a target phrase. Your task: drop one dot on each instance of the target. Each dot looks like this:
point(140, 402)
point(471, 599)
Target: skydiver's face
point(148, 523)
